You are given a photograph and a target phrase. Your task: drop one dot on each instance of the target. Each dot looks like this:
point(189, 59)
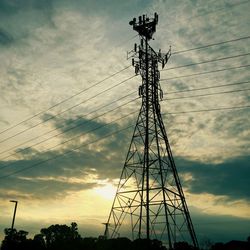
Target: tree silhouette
point(144, 244)
point(14, 239)
point(39, 242)
point(61, 236)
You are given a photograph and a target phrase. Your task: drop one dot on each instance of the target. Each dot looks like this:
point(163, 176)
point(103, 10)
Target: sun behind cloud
point(107, 191)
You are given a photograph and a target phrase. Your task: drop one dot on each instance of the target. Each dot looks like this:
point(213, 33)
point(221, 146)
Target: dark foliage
point(232, 245)
point(183, 246)
point(63, 237)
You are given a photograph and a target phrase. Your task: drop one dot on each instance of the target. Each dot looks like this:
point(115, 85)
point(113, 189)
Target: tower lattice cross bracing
point(149, 202)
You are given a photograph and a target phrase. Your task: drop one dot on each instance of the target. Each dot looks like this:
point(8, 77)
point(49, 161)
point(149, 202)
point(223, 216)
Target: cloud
point(52, 170)
point(217, 228)
point(80, 125)
point(229, 178)
point(41, 188)
point(5, 38)
point(15, 18)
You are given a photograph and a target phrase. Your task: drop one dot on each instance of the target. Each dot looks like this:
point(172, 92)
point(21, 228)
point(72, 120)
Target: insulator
point(140, 64)
point(159, 54)
point(136, 69)
point(166, 58)
point(135, 47)
point(161, 95)
point(140, 91)
point(140, 53)
point(163, 64)
point(158, 74)
point(159, 107)
point(156, 18)
point(133, 62)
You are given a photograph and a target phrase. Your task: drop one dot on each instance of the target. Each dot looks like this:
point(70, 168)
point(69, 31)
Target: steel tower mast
point(149, 201)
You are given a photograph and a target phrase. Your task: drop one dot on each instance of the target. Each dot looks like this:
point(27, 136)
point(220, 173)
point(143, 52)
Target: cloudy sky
point(69, 102)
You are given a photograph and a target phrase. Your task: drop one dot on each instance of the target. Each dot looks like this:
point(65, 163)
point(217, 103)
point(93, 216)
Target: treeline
point(63, 237)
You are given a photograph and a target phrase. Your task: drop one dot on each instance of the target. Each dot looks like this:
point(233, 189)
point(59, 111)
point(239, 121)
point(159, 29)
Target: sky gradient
point(53, 50)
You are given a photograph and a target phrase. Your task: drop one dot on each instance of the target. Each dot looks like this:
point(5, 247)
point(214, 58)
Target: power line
point(117, 131)
point(70, 108)
point(207, 110)
point(65, 131)
point(105, 91)
point(209, 87)
point(209, 61)
point(210, 45)
point(72, 138)
point(40, 82)
point(203, 88)
point(65, 153)
point(65, 100)
point(209, 94)
point(112, 75)
point(206, 72)
point(101, 82)
point(85, 62)
point(55, 129)
point(70, 151)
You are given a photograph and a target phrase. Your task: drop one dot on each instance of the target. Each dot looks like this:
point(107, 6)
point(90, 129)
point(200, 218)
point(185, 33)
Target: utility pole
point(14, 216)
point(106, 232)
point(149, 201)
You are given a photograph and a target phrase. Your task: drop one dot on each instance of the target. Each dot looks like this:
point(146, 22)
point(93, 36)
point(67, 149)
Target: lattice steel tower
point(149, 201)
